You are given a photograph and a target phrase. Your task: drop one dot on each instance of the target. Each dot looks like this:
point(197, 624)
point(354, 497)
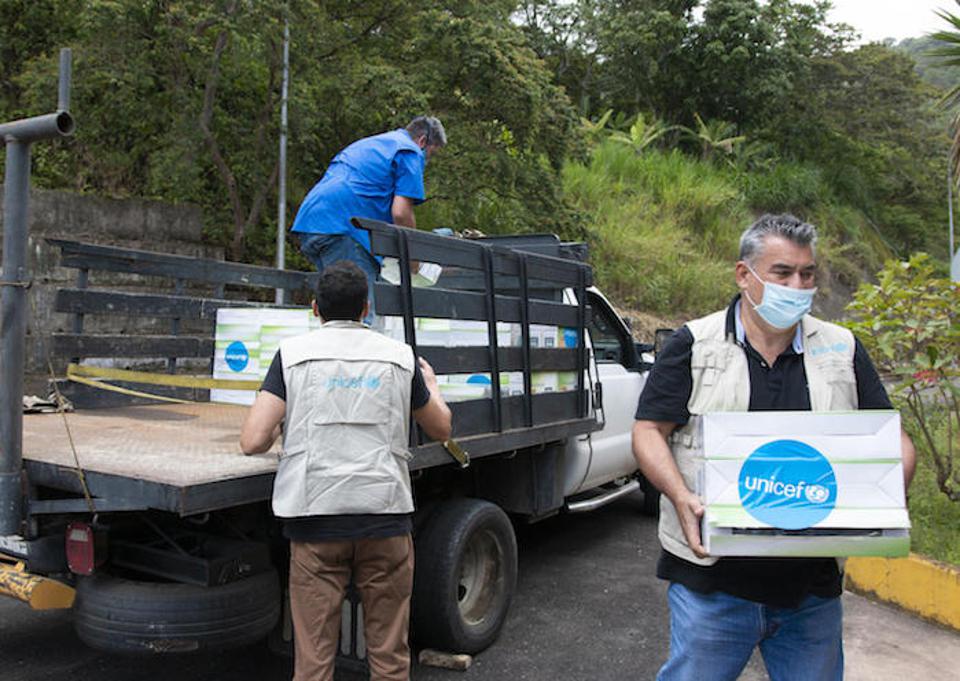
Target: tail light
point(82, 549)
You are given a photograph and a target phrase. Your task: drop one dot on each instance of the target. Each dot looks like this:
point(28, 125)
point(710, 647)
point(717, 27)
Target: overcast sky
point(879, 19)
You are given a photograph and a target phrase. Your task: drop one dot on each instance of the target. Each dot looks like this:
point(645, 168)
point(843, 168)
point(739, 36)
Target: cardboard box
point(803, 484)
point(245, 341)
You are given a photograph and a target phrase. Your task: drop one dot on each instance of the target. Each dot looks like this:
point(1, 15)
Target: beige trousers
point(382, 570)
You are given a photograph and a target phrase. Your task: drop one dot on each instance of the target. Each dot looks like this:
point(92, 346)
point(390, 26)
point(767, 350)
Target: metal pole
point(63, 87)
point(13, 328)
point(18, 135)
point(282, 189)
point(954, 256)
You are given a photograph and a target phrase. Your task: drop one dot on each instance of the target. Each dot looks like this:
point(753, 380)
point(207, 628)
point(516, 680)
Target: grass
point(936, 519)
point(663, 227)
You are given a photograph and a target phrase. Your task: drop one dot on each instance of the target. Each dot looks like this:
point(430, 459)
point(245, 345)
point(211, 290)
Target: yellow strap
point(75, 371)
point(123, 391)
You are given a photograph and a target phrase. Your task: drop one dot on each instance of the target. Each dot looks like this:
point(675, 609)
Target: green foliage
point(714, 136)
point(181, 103)
point(935, 519)
point(785, 187)
point(867, 121)
point(642, 133)
point(927, 66)
point(662, 228)
point(910, 323)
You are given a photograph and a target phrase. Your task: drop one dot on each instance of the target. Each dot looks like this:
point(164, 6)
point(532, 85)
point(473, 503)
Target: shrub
point(910, 323)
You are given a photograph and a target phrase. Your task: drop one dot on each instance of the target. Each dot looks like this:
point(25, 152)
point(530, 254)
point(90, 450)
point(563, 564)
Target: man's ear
point(316, 310)
point(422, 143)
point(366, 310)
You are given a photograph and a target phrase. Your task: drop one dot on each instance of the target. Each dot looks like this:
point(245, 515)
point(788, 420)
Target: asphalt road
point(587, 608)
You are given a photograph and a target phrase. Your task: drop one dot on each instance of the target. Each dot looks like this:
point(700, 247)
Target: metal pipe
point(282, 188)
point(13, 325)
point(66, 72)
point(28, 130)
point(954, 259)
point(14, 280)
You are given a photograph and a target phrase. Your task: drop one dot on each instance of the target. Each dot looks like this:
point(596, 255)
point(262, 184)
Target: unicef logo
point(237, 356)
point(788, 484)
point(817, 494)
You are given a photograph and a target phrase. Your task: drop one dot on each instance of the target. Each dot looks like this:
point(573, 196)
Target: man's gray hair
point(429, 127)
point(786, 226)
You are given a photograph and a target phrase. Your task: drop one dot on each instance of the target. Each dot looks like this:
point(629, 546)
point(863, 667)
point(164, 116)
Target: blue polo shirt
point(361, 182)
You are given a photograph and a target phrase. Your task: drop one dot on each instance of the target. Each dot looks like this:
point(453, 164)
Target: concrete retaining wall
point(130, 223)
point(925, 587)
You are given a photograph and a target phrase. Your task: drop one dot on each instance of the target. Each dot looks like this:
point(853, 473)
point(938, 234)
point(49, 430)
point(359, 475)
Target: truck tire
point(123, 616)
point(465, 576)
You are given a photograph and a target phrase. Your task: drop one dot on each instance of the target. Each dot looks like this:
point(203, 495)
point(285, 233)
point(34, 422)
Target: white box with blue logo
point(803, 484)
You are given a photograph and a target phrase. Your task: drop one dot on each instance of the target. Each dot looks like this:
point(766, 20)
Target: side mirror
point(644, 355)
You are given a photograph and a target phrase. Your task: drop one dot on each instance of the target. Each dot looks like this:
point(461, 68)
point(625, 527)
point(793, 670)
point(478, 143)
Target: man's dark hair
point(341, 291)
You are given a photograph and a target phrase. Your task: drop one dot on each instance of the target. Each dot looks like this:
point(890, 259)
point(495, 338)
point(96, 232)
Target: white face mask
point(782, 306)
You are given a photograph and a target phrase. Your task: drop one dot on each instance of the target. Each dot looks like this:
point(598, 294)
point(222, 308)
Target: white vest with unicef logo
point(345, 444)
point(721, 382)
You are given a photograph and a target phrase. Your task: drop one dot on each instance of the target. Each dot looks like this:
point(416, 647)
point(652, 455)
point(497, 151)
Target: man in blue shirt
point(380, 178)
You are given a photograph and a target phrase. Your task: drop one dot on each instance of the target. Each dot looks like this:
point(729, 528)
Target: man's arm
point(261, 428)
point(402, 211)
point(434, 417)
point(657, 464)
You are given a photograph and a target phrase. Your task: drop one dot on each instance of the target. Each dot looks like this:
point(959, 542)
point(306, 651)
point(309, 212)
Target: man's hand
point(656, 462)
point(429, 376)
point(690, 511)
point(261, 427)
point(434, 417)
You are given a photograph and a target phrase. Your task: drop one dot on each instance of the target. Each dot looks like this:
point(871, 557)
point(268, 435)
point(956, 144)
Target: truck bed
point(178, 457)
point(186, 459)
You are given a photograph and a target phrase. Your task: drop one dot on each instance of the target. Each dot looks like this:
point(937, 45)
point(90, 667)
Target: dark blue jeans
point(325, 249)
point(712, 637)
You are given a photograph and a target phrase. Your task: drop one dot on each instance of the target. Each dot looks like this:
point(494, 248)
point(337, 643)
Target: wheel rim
point(481, 576)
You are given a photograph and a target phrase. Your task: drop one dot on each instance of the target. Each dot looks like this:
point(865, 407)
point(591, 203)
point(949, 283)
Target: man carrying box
point(763, 353)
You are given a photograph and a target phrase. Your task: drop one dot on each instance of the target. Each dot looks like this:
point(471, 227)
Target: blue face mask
point(782, 306)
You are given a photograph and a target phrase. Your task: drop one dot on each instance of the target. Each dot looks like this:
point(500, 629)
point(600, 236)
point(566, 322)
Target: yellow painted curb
point(923, 586)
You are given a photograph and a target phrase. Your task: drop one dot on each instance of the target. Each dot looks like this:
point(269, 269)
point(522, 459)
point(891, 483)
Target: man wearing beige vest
point(342, 489)
point(763, 353)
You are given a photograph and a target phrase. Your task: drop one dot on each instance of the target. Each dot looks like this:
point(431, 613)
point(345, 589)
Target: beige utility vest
point(721, 382)
point(347, 423)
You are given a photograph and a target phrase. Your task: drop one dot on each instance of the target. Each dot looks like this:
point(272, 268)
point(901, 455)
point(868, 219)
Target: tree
point(949, 56)
point(715, 136)
point(642, 133)
point(865, 117)
point(180, 104)
point(909, 323)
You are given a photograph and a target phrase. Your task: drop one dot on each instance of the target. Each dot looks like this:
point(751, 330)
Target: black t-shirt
point(345, 527)
point(781, 582)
